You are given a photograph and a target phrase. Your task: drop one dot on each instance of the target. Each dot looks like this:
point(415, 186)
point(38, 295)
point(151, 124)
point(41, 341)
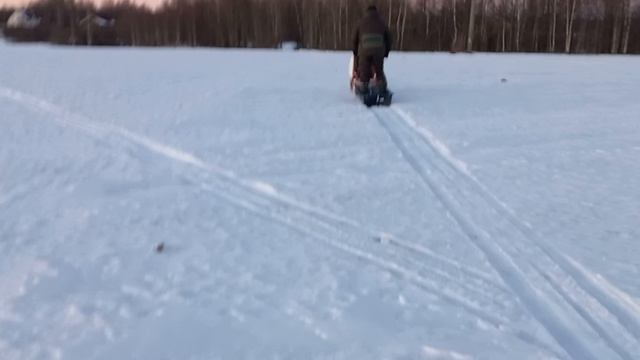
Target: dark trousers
point(370, 65)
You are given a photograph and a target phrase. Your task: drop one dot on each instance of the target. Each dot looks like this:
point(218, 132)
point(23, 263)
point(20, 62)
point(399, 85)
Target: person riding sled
point(371, 45)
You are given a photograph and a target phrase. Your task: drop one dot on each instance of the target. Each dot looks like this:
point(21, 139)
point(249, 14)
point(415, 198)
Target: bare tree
point(454, 38)
point(569, 21)
point(471, 26)
point(518, 11)
point(453, 25)
point(627, 26)
point(554, 22)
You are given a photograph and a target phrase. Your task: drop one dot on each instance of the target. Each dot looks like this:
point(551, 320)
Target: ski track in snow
point(614, 300)
point(575, 310)
point(467, 289)
point(580, 310)
point(280, 214)
point(440, 354)
point(18, 191)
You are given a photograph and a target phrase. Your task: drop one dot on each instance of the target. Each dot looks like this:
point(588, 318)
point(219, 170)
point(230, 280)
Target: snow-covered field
point(477, 218)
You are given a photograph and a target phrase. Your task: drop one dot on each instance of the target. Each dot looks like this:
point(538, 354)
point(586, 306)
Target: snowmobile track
point(341, 233)
point(513, 249)
point(334, 230)
point(626, 315)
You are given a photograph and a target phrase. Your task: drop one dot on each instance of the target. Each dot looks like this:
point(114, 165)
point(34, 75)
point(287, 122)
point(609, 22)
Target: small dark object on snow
point(383, 238)
point(160, 248)
point(503, 80)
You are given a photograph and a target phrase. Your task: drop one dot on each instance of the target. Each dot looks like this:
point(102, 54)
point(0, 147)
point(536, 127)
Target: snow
point(473, 219)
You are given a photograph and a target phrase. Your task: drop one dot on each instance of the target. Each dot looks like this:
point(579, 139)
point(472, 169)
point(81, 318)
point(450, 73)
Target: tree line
point(560, 26)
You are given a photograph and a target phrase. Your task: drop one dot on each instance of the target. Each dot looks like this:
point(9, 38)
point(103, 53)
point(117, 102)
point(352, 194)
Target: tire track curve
point(339, 232)
point(621, 306)
point(503, 243)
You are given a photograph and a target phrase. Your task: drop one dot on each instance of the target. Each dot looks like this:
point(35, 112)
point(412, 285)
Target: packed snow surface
point(241, 204)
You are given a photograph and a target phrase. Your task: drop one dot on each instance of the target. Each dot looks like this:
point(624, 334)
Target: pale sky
point(23, 2)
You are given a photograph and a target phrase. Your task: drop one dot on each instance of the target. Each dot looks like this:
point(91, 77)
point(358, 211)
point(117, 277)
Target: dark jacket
point(371, 36)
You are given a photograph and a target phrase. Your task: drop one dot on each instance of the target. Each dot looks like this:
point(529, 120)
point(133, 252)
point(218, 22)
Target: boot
point(381, 85)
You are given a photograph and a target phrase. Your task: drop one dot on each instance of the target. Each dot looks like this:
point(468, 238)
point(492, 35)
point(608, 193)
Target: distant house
point(97, 30)
point(23, 19)
point(24, 25)
point(98, 21)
